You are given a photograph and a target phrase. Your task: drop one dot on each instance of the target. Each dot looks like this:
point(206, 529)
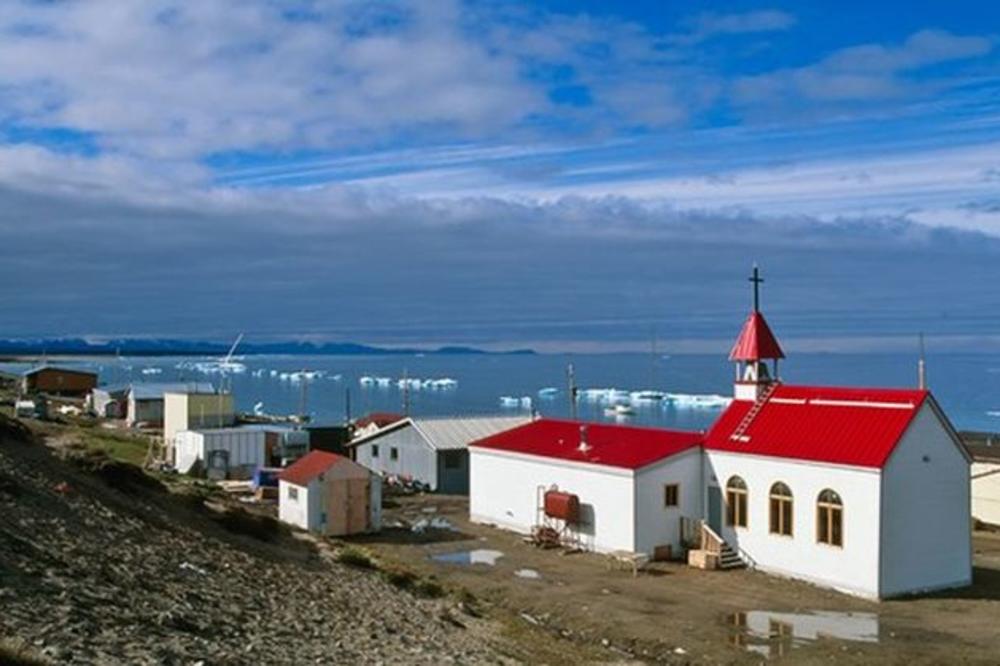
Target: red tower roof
point(756, 341)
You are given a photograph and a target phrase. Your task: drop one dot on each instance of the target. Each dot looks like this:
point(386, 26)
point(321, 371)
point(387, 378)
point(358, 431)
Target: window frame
point(780, 524)
point(293, 493)
point(737, 503)
point(671, 491)
point(830, 515)
point(393, 453)
point(374, 450)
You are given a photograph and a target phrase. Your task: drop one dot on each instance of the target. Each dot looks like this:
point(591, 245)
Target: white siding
point(504, 491)
point(986, 492)
point(246, 448)
point(298, 511)
point(853, 568)
point(416, 458)
point(657, 525)
point(926, 528)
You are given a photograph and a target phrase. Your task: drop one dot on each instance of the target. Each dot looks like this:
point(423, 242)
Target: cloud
point(712, 24)
point(351, 262)
point(865, 73)
point(156, 79)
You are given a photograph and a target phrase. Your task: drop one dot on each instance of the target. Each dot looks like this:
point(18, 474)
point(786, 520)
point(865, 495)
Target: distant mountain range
point(174, 347)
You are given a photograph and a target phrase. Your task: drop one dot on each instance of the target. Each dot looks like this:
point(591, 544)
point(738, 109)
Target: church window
point(781, 509)
point(671, 494)
point(736, 502)
point(830, 518)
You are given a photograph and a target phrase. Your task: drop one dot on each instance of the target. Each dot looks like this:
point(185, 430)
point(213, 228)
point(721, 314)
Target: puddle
point(468, 557)
point(530, 574)
point(774, 634)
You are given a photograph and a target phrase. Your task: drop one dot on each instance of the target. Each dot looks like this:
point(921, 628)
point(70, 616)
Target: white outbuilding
point(430, 451)
point(222, 452)
point(631, 485)
point(330, 494)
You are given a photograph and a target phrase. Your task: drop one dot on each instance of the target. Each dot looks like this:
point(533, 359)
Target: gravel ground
point(108, 568)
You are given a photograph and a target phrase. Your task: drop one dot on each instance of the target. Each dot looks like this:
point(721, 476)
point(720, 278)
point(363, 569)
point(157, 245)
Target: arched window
point(736, 502)
point(781, 509)
point(830, 518)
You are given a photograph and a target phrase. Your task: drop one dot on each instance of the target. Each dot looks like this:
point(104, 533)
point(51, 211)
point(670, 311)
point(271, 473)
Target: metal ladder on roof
point(739, 434)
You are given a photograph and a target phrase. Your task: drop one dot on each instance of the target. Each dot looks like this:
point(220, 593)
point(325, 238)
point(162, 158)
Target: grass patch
point(18, 653)
point(120, 446)
point(356, 557)
point(404, 579)
point(428, 588)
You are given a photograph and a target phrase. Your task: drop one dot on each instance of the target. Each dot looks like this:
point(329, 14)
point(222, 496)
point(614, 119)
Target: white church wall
point(656, 524)
point(926, 526)
point(851, 568)
point(503, 491)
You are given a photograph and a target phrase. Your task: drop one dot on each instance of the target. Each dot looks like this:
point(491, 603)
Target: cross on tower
point(756, 279)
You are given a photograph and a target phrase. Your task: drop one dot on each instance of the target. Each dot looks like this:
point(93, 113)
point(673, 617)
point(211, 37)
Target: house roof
point(380, 419)
point(155, 391)
point(55, 368)
point(756, 341)
point(456, 433)
point(983, 452)
point(612, 445)
point(450, 433)
point(848, 426)
point(309, 466)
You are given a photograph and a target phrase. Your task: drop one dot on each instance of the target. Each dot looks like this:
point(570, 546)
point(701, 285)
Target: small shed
point(109, 402)
point(58, 381)
point(223, 453)
point(331, 495)
point(430, 451)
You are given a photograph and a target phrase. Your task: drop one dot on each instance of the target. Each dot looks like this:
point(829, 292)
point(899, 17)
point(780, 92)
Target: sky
point(568, 175)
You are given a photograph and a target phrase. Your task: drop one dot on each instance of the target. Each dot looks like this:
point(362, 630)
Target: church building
point(864, 490)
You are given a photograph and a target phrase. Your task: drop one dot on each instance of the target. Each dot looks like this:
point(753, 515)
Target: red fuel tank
point(564, 506)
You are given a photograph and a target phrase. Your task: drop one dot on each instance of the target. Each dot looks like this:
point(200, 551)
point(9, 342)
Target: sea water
point(685, 391)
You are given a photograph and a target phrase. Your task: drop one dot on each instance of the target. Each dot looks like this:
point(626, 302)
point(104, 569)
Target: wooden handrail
point(710, 541)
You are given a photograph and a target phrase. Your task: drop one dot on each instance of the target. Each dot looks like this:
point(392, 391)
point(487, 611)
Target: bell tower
point(754, 347)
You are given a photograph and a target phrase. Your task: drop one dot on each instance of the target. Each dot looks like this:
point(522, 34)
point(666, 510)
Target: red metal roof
point(309, 466)
point(849, 426)
point(612, 445)
point(380, 419)
point(756, 341)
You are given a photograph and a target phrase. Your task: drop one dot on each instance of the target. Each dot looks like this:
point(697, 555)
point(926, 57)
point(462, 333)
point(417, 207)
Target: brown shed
point(58, 381)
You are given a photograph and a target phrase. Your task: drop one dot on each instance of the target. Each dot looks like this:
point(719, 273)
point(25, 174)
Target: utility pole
point(922, 367)
point(406, 393)
point(302, 396)
point(571, 380)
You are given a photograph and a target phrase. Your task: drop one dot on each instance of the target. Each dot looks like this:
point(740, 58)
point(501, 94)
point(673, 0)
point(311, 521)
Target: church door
point(715, 508)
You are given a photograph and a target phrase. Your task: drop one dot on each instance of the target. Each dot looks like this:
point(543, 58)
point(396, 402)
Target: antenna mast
point(571, 380)
point(922, 366)
point(406, 393)
point(302, 396)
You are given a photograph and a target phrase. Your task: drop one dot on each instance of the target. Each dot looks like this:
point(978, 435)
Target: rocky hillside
point(101, 564)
